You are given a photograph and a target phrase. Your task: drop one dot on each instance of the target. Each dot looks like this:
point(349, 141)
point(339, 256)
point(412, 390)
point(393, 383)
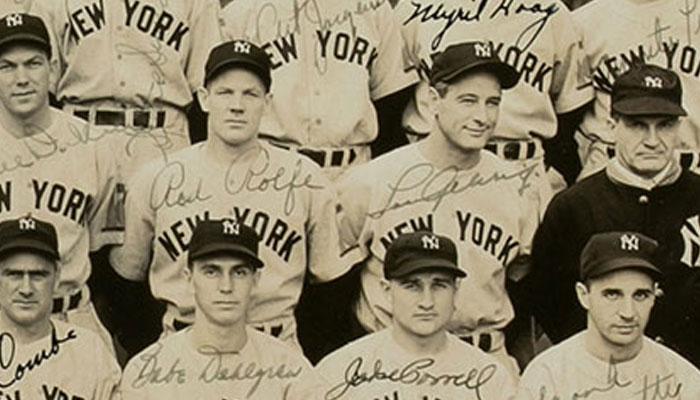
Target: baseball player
point(132, 66)
point(643, 189)
point(219, 356)
point(330, 60)
point(415, 357)
point(611, 358)
point(538, 39)
point(52, 165)
point(619, 34)
point(280, 194)
point(448, 185)
point(43, 358)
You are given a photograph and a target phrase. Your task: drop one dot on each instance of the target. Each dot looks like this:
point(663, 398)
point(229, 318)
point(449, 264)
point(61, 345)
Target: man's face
point(645, 144)
point(235, 100)
point(222, 287)
point(618, 306)
point(27, 283)
point(422, 302)
point(468, 112)
point(24, 81)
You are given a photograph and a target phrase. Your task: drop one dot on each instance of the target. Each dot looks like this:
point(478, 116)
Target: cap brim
point(624, 263)
point(422, 264)
point(507, 75)
point(29, 245)
point(228, 248)
point(241, 63)
point(648, 106)
point(24, 37)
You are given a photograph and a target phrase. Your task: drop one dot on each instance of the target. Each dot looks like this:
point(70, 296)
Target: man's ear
point(203, 97)
point(386, 289)
point(582, 294)
point(611, 123)
point(433, 99)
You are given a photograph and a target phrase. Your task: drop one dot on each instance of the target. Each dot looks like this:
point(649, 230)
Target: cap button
point(643, 199)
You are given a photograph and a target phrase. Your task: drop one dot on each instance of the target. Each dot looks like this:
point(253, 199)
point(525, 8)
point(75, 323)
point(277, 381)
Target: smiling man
point(220, 356)
point(44, 358)
point(643, 189)
point(612, 358)
point(448, 184)
point(415, 358)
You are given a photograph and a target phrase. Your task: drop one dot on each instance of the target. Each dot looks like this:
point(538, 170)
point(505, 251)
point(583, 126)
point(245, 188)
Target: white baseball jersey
point(280, 194)
point(173, 368)
point(377, 367)
point(329, 58)
point(139, 53)
point(70, 363)
point(661, 32)
point(65, 176)
point(537, 38)
point(485, 210)
point(569, 371)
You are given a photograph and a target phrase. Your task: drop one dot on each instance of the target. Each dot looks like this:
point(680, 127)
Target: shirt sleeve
point(536, 383)
point(206, 33)
point(107, 223)
point(355, 193)
point(109, 373)
point(131, 260)
point(387, 72)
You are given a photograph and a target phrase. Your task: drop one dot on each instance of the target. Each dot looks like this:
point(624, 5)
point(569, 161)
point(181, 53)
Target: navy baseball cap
point(612, 251)
point(22, 27)
point(239, 53)
point(647, 90)
point(28, 234)
point(421, 251)
point(459, 58)
point(226, 236)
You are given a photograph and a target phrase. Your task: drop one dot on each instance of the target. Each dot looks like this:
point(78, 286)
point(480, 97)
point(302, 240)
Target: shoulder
point(341, 357)
point(78, 339)
point(553, 357)
point(384, 166)
point(162, 350)
point(590, 186)
point(276, 350)
point(678, 363)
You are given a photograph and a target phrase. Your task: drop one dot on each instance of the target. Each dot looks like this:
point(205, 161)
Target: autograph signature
point(169, 189)
point(7, 355)
point(434, 185)
point(414, 373)
point(433, 11)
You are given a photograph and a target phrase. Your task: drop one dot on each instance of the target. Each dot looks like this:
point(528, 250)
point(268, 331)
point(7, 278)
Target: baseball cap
point(647, 90)
point(239, 53)
point(420, 250)
point(459, 58)
point(612, 251)
point(29, 234)
point(224, 236)
point(24, 27)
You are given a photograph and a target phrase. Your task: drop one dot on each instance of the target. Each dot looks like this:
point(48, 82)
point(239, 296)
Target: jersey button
point(122, 83)
point(119, 56)
point(643, 199)
point(318, 121)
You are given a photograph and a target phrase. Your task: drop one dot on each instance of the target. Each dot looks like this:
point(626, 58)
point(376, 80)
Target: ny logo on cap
point(653, 82)
point(27, 223)
point(431, 242)
point(231, 228)
point(629, 242)
point(241, 47)
point(14, 20)
point(482, 50)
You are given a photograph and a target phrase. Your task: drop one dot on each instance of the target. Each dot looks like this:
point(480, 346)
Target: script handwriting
point(433, 185)
point(260, 177)
point(415, 373)
point(216, 370)
point(169, 188)
point(7, 355)
point(153, 374)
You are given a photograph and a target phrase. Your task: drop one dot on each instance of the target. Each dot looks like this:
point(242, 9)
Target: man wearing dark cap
point(643, 189)
point(280, 194)
point(448, 184)
point(220, 356)
point(415, 357)
point(55, 166)
point(612, 358)
point(43, 357)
